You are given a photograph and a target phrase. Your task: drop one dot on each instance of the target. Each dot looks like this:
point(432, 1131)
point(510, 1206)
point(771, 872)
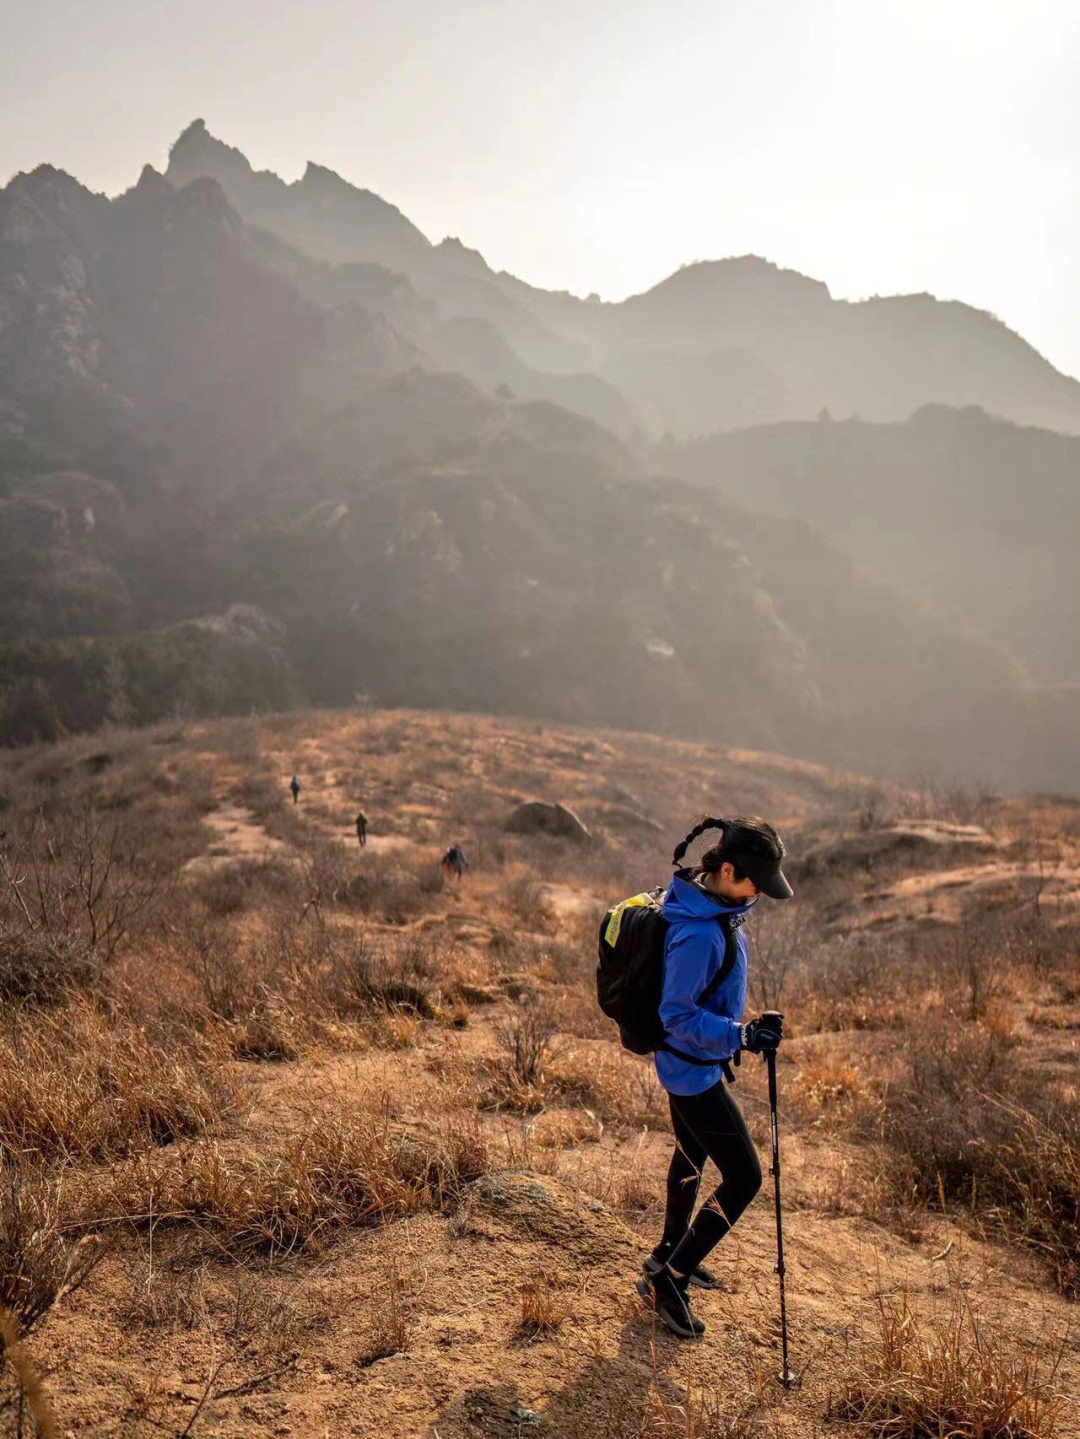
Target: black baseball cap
point(758, 854)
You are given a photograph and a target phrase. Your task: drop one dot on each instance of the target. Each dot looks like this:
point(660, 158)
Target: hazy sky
point(882, 146)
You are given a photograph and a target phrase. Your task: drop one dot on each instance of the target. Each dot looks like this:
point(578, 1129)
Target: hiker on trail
point(361, 828)
point(295, 787)
point(701, 1008)
point(454, 862)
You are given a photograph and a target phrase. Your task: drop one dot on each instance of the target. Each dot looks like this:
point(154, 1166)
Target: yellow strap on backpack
point(614, 924)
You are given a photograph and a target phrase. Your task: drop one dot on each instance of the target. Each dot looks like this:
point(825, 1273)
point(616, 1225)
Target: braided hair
point(738, 836)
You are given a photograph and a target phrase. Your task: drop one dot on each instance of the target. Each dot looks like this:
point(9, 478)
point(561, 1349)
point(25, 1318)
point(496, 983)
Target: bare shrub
point(948, 1373)
point(526, 1039)
point(69, 892)
point(855, 982)
point(77, 1085)
point(327, 873)
point(967, 956)
point(971, 1132)
point(779, 936)
point(364, 976)
point(398, 886)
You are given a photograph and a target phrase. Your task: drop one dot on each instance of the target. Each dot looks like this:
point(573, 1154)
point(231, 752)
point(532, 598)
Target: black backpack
point(630, 973)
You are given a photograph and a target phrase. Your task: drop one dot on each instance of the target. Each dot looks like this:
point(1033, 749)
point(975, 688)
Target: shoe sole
point(695, 1282)
point(645, 1289)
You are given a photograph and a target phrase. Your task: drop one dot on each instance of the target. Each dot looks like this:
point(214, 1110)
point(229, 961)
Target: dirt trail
point(235, 835)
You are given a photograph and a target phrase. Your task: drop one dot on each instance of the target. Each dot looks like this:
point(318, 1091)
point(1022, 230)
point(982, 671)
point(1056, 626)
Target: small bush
point(973, 1133)
point(365, 977)
point(41, 968)
point(399, 886)
point(70, 890)
point(527, 1041)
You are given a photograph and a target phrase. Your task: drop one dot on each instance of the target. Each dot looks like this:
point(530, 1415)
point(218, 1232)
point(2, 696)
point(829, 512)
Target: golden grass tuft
point(543, 1307)
point(39, 1261)
point(78, 1085)
point(343, 1170)
point(389, 1329)
point(31, 1389)
point(949, 1374)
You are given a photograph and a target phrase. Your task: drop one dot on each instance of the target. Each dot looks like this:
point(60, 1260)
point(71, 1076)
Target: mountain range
point(269, 431)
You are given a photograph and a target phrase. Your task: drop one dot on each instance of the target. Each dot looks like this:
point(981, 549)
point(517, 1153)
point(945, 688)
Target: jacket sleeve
point(698, 1031)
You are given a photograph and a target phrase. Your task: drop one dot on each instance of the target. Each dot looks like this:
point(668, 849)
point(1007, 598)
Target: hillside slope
point(355, 1150)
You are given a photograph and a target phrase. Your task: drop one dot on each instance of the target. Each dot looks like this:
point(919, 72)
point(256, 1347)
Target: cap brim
point(774, 885)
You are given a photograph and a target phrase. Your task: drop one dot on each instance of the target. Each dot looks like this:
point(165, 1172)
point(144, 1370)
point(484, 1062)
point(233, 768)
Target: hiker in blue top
point(704, 993)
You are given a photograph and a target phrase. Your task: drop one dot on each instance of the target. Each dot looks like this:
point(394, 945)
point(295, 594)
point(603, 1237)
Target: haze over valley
point(265, 443)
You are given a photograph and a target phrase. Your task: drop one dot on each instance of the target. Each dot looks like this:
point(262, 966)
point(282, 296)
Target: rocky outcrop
point(537, 817)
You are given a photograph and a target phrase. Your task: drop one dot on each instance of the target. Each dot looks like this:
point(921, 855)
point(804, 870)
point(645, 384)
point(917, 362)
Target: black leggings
point(709, 1126)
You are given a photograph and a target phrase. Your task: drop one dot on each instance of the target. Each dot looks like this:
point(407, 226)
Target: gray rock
point(537, 817)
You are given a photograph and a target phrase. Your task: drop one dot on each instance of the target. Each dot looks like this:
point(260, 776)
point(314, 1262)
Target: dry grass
point(343, 1170)
point(544, 1307)
point(971, 1132)
point(824, 1088)
point(31, 1392)
point(366, 975)
point(388, 1332)
point(39, 1261)
point(949, 1374)
point(78, 1084)
point(117, 1102)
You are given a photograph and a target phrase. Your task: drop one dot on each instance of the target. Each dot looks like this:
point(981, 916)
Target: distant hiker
point(361, 828)
point(295, 787)
point(454, 862)
point(701, 1009)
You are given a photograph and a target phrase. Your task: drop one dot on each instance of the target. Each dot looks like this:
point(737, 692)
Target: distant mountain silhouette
point(714, 346)
point(195, 415)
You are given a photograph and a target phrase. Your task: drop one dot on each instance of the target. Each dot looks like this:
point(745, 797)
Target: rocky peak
point(47, 203)
point(459, 257)
point(196, 153)
point(151, 182)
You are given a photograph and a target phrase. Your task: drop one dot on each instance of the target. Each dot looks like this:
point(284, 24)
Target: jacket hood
point(684, 901)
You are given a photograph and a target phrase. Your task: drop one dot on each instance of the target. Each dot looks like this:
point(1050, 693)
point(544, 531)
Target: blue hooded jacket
point(693, 952)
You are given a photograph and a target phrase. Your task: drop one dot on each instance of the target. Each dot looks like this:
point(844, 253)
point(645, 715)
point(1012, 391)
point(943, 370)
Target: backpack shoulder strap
point(727, 964)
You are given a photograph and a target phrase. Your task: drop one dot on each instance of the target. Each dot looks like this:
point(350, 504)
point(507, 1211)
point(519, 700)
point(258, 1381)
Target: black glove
point(763, 1034)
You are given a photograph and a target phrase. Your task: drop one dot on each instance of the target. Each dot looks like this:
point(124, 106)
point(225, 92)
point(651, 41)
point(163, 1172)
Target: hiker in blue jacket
point(704, 993)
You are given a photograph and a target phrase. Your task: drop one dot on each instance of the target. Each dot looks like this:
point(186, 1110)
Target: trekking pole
point(785, 1376)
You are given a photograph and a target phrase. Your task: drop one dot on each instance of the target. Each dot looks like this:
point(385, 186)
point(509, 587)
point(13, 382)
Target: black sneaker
point(668, 1300)
point(702, 1278)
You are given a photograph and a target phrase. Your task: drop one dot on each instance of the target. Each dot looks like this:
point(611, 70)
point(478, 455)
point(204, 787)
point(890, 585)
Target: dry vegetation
point(301, 1138)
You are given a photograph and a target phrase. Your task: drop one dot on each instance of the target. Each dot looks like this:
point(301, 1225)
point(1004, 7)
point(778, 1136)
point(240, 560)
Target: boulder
point(536, 817)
